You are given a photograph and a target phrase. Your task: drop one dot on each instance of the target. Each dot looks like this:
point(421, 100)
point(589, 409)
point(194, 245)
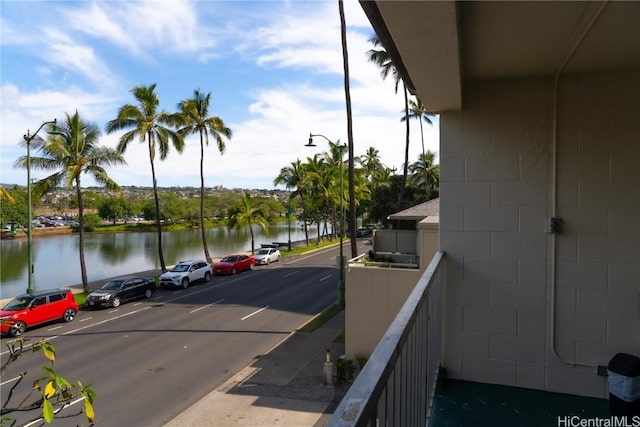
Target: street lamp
point(341, 290)
point(289, 219)
point(28, 138)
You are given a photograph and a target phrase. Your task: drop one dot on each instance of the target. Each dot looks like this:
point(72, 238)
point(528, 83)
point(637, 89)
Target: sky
point(274, 70)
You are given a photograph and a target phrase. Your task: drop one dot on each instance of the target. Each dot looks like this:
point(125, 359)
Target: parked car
point(122, 289)
point(27, 310)
point(186, 272)
point(232, 264)
point(266, 256)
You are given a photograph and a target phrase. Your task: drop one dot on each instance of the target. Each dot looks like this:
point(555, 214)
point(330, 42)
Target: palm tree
point(347, 93)
point(294, 176)
point(246, 212)
point(425, 173)
point(5, 195)
point(418, 111)
point(71, 152)
point(381, 58)
point(195, 116)
point(148, 125)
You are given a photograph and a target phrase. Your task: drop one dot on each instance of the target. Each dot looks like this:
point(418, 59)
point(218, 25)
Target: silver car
point(185, 273)
point(266, 256)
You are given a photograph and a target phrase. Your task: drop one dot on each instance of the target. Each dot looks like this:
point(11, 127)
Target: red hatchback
point(27, 310)
point(233, 264)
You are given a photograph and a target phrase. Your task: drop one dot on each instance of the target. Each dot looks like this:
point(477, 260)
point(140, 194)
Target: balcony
point(402, 383)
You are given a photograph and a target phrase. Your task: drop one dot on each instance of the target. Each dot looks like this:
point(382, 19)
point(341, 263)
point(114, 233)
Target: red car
point(232, 264)
point(27, 310)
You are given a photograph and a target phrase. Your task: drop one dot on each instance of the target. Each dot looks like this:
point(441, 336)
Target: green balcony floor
point(465, 403)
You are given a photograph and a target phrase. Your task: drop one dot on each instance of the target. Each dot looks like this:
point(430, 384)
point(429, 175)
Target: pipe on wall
point(554, 186)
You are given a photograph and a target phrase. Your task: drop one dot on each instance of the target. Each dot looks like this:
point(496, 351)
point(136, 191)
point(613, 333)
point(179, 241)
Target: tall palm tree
point(347, 93)
point(195, 116)
point(246, 212)
point(381, 58)
point(319, 181)
point(294, 176)
point(148, 124)
point(418, 110)
point(71, 152)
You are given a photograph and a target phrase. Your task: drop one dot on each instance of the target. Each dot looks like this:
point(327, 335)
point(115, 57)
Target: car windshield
point(263, 252)
point(18, 303)
point(230, 259)
point(180, 268)
point(112, 285)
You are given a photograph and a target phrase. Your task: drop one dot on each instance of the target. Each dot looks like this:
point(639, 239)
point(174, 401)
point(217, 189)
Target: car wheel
point(148, 293)
point(115, 302)
point(268, 261)
point(185, 283)
point(207, 277)
point(277, 258)
point(251, 266)
point(17, 328)
point(69, 314)
point(233, 270)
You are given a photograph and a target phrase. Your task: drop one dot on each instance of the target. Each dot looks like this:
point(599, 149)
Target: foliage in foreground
point(49, 394)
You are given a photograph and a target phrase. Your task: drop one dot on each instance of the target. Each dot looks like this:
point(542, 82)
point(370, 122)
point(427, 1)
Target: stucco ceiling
point(439, 45)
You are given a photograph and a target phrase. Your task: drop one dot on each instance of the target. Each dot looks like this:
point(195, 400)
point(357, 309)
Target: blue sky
point(274, 70)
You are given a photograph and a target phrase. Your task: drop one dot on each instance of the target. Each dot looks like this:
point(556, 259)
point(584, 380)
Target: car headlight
point(105, 296)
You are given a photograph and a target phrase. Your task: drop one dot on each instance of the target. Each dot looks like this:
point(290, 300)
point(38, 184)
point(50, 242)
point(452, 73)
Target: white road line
point(54, 328)
point(254, 313)
point(205, 306)
point(291, 274)
point(32, 423)
point(85, 319)
point(10, 381)
point(325, 277)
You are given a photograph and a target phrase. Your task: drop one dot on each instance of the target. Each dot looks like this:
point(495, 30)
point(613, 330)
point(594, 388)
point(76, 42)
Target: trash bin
point(624, 385)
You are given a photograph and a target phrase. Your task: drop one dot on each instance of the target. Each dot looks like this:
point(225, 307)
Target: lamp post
point(341, 288)
point(289, 219)
point(28, 138)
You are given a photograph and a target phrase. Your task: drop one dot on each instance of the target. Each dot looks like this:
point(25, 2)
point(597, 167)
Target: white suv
point(186, 272)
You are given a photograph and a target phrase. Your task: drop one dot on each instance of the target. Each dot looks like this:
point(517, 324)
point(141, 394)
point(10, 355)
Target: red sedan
point(232, 264)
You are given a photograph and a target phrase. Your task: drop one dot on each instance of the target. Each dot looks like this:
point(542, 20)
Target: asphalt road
point(149, 360)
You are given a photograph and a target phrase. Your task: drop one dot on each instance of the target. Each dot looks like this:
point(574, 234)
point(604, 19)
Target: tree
point(246, 212)
point(14, 207)
point(71, 152)
point(146, 123)
point(425, 173)
point(381, 58)
point(195, 116)
point(115, 207)
point(418, 111)
point(49, 394)
point(295, 176)
point(347, 93)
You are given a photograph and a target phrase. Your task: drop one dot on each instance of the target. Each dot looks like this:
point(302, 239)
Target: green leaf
point(47, 411)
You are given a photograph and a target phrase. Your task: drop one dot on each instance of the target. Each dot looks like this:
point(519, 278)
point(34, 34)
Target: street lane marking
point(254, 313)
point(34, 422)
point(205, 306)
point(54, 328)
point(85, 319)
point(325, 277)
point(290, 274)
point(10, 381)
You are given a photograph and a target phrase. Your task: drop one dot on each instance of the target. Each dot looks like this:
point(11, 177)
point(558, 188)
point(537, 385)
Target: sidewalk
point(282, 388)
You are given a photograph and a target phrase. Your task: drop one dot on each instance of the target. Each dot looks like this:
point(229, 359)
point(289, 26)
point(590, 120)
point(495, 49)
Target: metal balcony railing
point(396, 386)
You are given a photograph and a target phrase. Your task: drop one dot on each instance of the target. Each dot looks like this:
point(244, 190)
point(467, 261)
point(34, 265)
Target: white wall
point(495, 203)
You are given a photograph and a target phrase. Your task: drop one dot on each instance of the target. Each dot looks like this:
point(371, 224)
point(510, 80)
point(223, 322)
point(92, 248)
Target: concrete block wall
point(496, 189)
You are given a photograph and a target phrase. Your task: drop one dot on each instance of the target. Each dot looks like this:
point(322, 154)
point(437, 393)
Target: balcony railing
point(396, 386)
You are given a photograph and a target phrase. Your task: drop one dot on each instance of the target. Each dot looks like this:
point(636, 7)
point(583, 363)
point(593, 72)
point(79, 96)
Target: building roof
point(418, 212)
point(438, 45)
